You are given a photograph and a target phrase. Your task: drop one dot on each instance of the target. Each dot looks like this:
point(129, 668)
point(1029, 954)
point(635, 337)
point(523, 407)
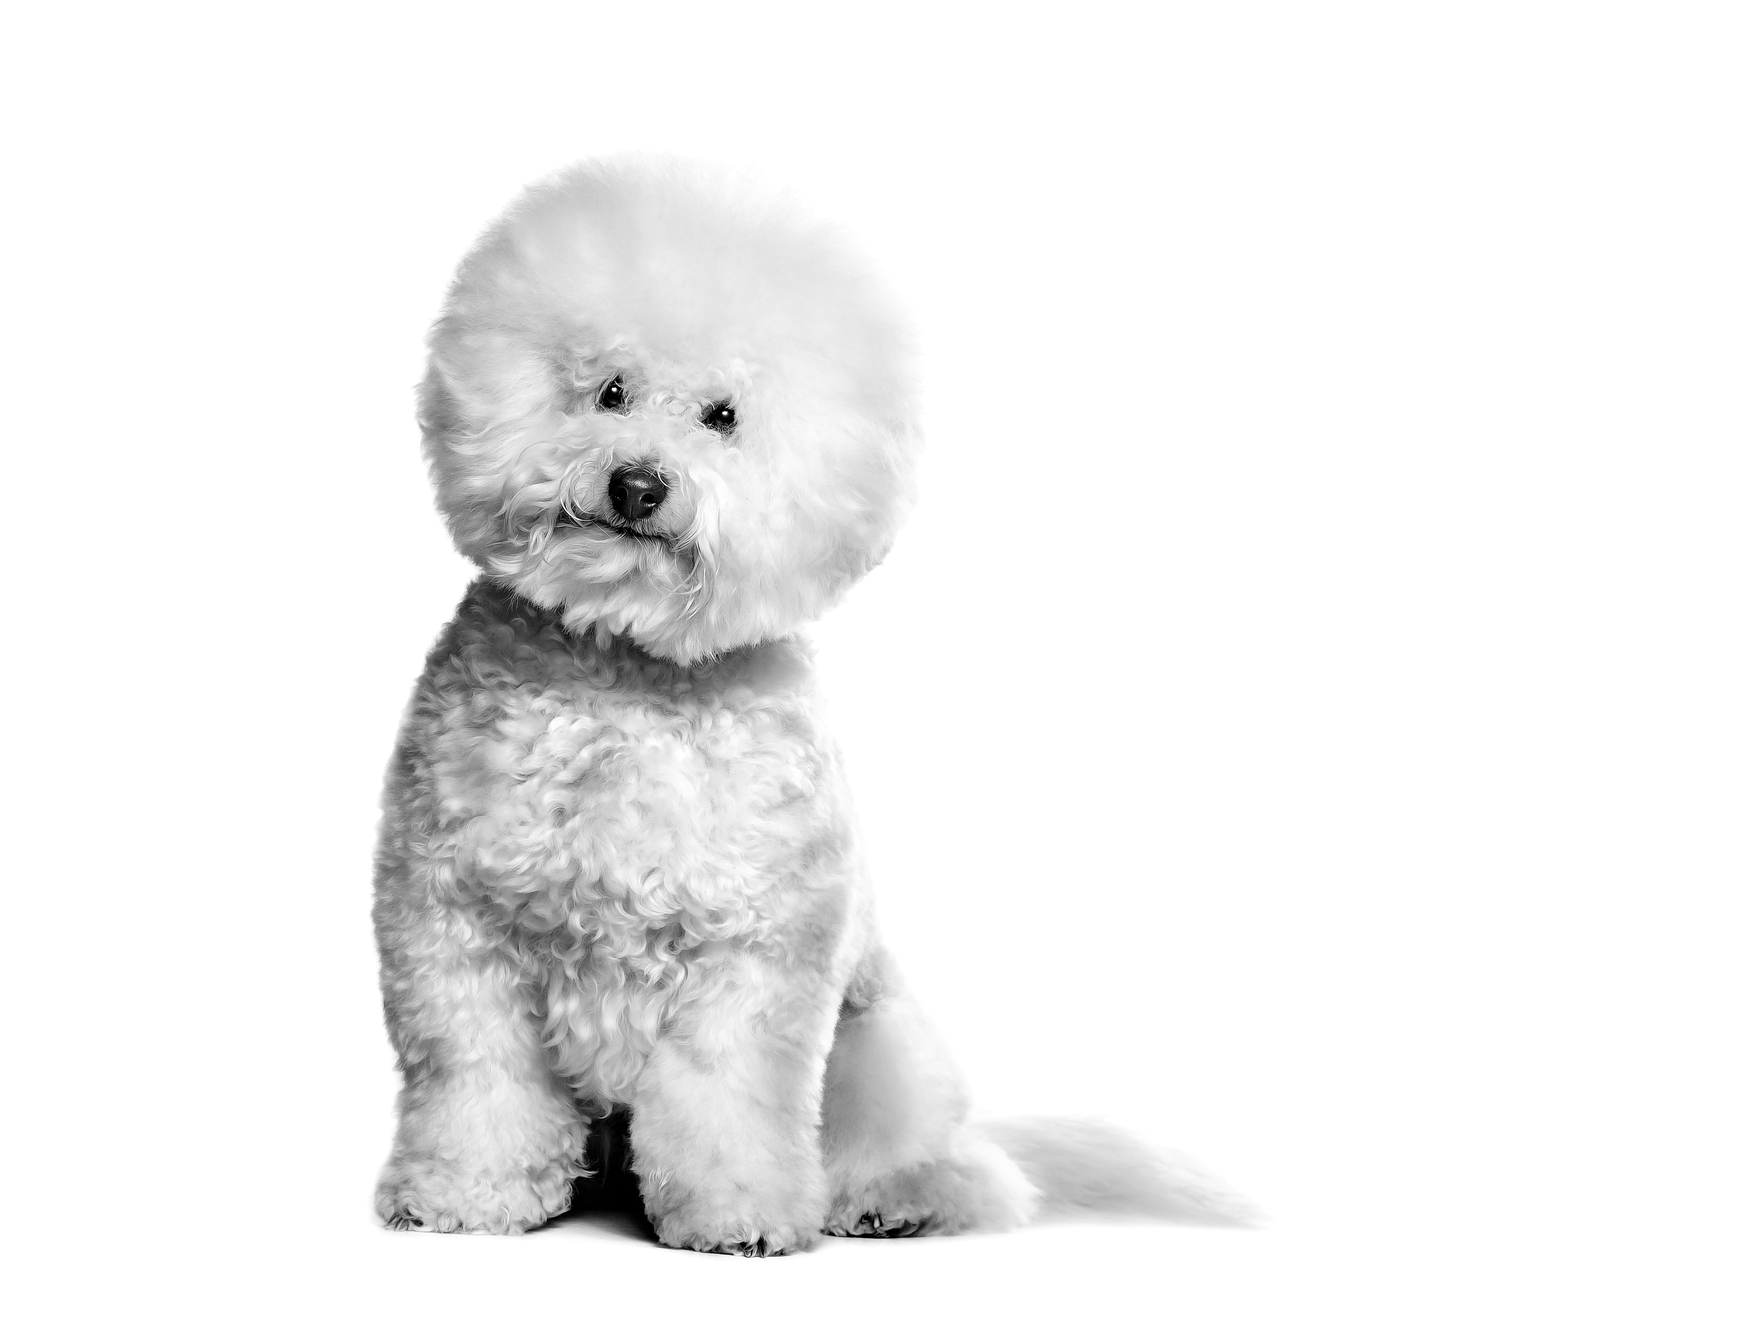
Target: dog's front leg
point(488, 1140)
point(725, 1122)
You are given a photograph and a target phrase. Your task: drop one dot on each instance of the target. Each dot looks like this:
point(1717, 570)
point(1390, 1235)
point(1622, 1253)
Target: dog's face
point(668, 410)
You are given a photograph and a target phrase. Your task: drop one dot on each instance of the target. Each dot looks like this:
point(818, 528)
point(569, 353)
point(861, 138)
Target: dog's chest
point(608, 814)
point(609, 821)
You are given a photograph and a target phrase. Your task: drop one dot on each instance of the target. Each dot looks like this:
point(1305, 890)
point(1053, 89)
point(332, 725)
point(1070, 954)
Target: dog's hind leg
point(899, 1155)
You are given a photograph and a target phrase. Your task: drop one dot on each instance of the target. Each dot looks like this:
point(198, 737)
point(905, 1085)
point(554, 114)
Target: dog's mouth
point(588, 521)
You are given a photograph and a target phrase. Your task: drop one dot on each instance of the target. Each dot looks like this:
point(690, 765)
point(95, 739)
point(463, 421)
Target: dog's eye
point(612, 396)
point(720, 417)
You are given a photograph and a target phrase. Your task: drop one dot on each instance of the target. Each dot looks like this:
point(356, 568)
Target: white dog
point(672, 422)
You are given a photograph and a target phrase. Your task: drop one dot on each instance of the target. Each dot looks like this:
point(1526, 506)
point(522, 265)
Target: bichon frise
point(672, 421)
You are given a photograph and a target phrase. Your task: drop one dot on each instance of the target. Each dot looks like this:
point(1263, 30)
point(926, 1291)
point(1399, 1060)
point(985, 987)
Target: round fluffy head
point(669, 407)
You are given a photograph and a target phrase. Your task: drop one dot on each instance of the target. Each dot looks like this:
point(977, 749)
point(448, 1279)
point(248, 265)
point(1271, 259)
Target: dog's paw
point(764, 1244)
point(737, 1235)
point(875, 1224)
point(433, 1199)
point(976, 1187)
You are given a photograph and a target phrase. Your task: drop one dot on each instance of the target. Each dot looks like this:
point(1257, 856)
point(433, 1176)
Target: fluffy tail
point(1082, 1167)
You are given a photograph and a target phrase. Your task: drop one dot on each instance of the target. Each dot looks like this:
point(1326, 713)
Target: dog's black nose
point(637, 491)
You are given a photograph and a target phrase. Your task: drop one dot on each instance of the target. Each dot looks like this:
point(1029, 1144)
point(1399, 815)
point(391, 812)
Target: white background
point(1311, 717)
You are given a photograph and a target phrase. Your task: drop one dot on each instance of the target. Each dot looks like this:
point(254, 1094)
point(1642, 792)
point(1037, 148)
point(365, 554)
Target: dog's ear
point(436, 409)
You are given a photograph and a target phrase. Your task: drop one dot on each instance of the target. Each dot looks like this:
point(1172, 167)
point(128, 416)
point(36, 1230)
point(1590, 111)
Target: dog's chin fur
point(618, 866)
point(695, 290)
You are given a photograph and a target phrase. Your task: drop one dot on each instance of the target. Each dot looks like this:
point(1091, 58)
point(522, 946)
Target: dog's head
point(669, 409)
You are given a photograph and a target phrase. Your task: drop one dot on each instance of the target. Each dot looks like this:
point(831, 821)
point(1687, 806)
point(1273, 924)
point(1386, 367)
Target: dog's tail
point(1081, 1167)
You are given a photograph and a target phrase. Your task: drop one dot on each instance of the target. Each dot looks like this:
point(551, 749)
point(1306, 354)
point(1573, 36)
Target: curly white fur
point(618, 866)
point(678, 280)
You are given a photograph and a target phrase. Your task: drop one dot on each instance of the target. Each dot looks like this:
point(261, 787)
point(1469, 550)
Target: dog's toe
point(874, 1224)
point(751, 1248)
